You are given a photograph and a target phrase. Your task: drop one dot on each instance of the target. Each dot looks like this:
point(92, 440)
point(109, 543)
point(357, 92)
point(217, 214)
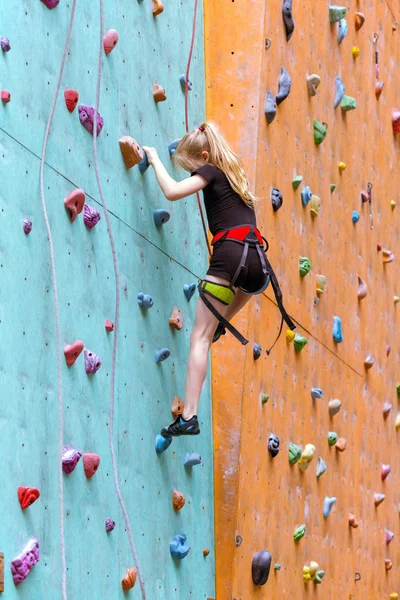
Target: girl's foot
point(218, 332)
point(181, 427)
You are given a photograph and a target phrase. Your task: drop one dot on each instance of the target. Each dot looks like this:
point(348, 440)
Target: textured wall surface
point(157, 262)
point(260, 499)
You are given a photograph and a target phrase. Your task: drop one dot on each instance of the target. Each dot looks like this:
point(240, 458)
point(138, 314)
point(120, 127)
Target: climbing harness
point(250, 237)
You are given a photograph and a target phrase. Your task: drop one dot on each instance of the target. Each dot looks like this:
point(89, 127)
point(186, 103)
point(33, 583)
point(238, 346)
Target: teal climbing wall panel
point(150, 50)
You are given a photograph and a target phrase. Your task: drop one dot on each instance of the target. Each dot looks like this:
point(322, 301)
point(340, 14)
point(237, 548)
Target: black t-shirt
point(224, 206)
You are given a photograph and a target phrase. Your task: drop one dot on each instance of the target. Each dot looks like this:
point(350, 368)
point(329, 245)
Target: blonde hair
point(208, 138)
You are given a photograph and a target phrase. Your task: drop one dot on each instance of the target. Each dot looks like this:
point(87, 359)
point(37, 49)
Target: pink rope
point(56, 305)
point(117, 309)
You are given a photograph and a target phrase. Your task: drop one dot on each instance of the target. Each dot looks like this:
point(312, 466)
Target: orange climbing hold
point(90, 464)
point(388, 564)
point(341, 444)
point(387, 256)
point(176, 319)
point(177, 407)
point(362, 288)
point(178, 500)
point(75, 203)
point(206, 552)
point(353, 522)
point(131, 151)
point(157, 7)
point(359, 19)
point(129, 580)
point(72, 352)
point(159, 93)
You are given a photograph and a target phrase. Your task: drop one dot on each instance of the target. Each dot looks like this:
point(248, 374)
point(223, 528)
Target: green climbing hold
point(333, 187)
point(398, 391)
point(332, 438)
point(336, 13)
point(320, 130)
point(319, 576)
point(299, 342)
point(264, 398)
point(297, 181)
point(348, 103)
point(304, 265)
point(277, 567)
point(299, 533)
point(294, 453)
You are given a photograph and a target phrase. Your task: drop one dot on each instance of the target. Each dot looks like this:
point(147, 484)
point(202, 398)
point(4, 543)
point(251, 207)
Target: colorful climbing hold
point(159, 93)
point(321, 467)
point(378, 499)
point(388, 564)
point(387, 256)
point(162, 355)
point(369, 361)
point(162, 443)
point(179, 547)
point(313, 82)
point(320, 131)
point(348, 103)
point(145, 300)
point(385, 470)
point(306, 457)
point(321, 282)
point(362, 288)
point(22, 564)
point(387, 407)
point(257, 350)
point(315, 205)
point(277, 567)
point(177, 407)
point(176, 319)
point(192, 459)
point(334, 406)
point(297, 181)
point(270, 107)
point(86, 117)
point(316, 393)
point(394, 596)
point(157, 7)
point(27, 496)
point(74, 202)
point(91, 463)
point(288, 20)
point(328, 503)
point(5, 44)
point(396, 120)
point(332, 187)
point(341, 444)
point(109, 325)
point(110, 525)
point(172, 146)
point(294, 453)
point(5, 96)
point(206, 552)
point(332, 438)
point(304, 265)
point(260, 567)
point(110, 40)
point(264, 398)
point(299, 532)
point(336, 13)
point(182, 80)
point(389, 535)
point(387, 347)
point(284, 84)
point(392, 204)
point(299, 342)
point(378, 89)
point(71, 98)
point(27, 226)
point(339, 92)
point(353, 522)
point(397, 422)
point(341, 167)
point(189, 289)
point(276, 199)
point(398, 391)
point(92, 362)
point(72, 352)
point(290, 335)
point(396, 299)
point(355, 51)
point(132, 153)
point(129, 580)
point(70, 459)
point(178, 500)
point(342, 30)
point(51, 3)
point(91, 216)
point(160, 216)
point(273, 445)
point(355, 217)
point(359, 19)
point(337, 330)
point(306, 195)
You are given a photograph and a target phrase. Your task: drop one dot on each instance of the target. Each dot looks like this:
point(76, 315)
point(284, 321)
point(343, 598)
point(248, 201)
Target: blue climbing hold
point(339, 92)
point(256, 351)
point(189, 289)
point(172, 146)
point(162, 354)
point(328, 503)
point(316, 393)
point(162, 443)
point(342, 31)
point(179, 547)
point(144, 163)
point(355, 217)
point(144, 300)
point(306, 196)
point(182, 79)
point(192, 459)
point(160, 216)
point(337, 330)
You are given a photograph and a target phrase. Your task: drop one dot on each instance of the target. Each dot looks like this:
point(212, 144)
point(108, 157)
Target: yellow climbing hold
point(315, 205)
point(394, 596)
point(393, 204)
point(306, 574)
point(342, 166)
point(321, 281)
point(397, 423)
point(355, 51)
point(306, 457)
point(290, 335)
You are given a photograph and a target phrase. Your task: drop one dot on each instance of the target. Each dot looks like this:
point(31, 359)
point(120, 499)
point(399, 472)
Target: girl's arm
point(173, 190)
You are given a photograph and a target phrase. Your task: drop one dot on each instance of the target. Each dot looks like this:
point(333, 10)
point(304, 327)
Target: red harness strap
point(237, 234)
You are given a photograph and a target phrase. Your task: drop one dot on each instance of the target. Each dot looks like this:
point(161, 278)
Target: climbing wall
point(154, 261)
point(261, 500)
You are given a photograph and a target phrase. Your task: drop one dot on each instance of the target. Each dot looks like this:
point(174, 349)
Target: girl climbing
point(238, 266)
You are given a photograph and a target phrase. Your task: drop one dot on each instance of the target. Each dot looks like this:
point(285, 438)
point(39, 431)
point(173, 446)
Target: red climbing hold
point(51, 3)
point(27, 496)
point(75, 203)
point(5, 96)
point(109, 326)
point(385, 470)
point(73, 351)
point(71, 99)
point(91, 464)
point(396, 120)
point(110, 40)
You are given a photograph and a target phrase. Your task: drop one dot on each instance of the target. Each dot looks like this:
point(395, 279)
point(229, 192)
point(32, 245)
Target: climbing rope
point(117, 309)
point(196, 2)
point(56, 305)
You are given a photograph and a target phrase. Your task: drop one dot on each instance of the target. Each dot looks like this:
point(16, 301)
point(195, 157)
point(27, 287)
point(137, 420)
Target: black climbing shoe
point(182, 427)
point(218, 332)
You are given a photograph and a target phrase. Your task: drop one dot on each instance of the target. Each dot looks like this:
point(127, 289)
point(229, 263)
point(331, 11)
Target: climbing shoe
point(218, 332)
point(182, 427)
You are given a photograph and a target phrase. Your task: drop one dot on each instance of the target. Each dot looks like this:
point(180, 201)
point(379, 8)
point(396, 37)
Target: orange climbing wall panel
point(260, 499)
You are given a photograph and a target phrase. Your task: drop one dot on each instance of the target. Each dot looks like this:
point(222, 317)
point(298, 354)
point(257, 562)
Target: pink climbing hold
point(92, 362)
point(90, 464)
point(72, 352)
point(110, 525)
point(22, 564)
point(75, 202)
point(110, 40)
point(27, 225)
point(396, 120)
point(70, 459)
point(71, 99)
point(51, 3)
point(91, 216)
point(5, 96)
point(389, 535)
point(388, 349)
point(378, 499)
point(86, 117)
point(385, 470)
point(109, 326)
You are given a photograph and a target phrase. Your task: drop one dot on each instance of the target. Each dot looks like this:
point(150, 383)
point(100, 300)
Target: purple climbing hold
point(27, 225)
point(70, 459)
point(5, 44)
point(110, 524)
point(22, 564)
point(86, 117)
point(162, 354)
point(260, 567)
point(51, 3)
point(92, 361)
point(257, 350)
point(91, 216)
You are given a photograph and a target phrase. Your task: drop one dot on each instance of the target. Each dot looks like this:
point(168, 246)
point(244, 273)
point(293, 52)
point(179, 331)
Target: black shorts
point(225, 260)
